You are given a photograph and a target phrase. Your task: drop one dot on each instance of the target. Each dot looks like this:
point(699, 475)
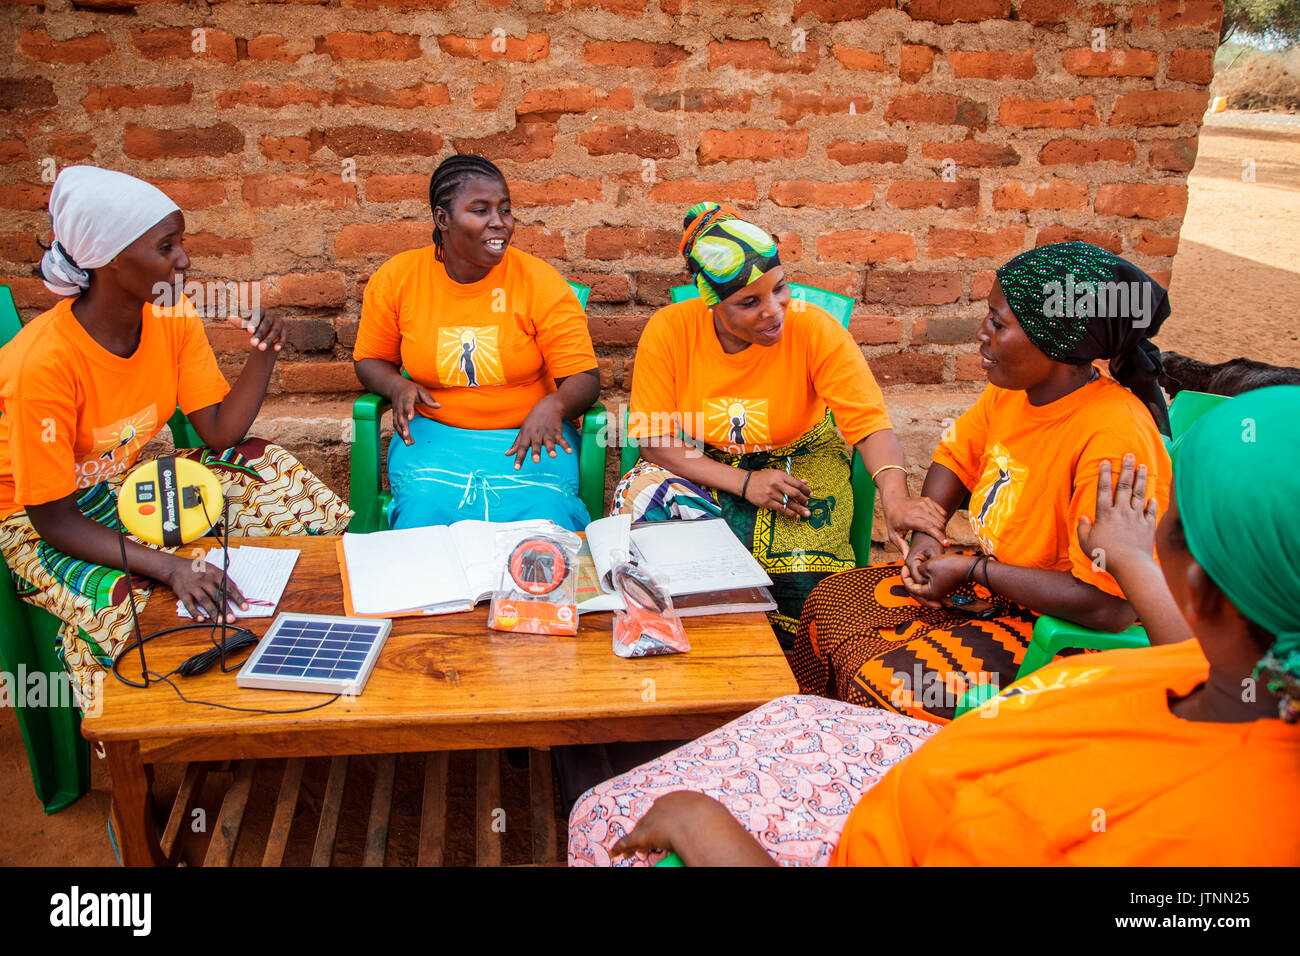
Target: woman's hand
point(404, 398)
point(198, 586)
point(919, 553)
point(1124, 532)
point(777, 491)
point(266, 330)
point(543, 426)
point(943, 575)
point(921, 514)
point(697, 828)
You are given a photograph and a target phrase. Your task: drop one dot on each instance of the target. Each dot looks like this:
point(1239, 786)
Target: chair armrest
point(363, 492)
point(975, 697)
point(591, 460)
point(183, 433)
point(1053, 635)
point(864, 510)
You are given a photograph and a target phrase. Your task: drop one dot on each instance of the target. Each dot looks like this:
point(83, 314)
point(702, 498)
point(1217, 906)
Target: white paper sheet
point(261, 574)
point(692, 557)
point(408, 570)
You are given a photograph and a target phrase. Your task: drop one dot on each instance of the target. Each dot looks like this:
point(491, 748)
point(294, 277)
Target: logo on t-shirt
point(993, 501)
point(736, 422)
point(1025, 691)
point(469, 356)
point(115, 446)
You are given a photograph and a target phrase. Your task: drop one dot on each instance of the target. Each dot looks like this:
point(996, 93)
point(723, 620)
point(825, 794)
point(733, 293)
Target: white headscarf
point(96, 213)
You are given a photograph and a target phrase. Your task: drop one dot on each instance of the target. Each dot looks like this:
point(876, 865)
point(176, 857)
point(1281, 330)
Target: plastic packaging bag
point(538, 588)
point(650, 626)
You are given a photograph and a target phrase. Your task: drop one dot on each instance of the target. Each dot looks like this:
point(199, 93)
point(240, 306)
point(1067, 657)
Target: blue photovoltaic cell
point(303, 648)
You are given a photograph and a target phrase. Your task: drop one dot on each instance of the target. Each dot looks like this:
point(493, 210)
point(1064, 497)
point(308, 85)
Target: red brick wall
point(899, 154)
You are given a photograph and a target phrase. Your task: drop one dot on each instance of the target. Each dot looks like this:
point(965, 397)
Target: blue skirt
point(450, 474)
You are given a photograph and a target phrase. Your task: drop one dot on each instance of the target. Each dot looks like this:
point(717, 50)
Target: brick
point(1042, 13)
point(945, 329)
point(1162, 277)
point(914, 62)
point(624, 8)
point(992, 64)
point(27, 93)
point(286, 149)
point(907, 368)
point(652, 288)
point(790, 244)
point(912, 287)
point(530, 49)
point(275, 48)
point(1191, 66)
point(298, 189)
point(309, 291)
point(1081, 151)
point(194, 193)
point(953, 11)
point(1048, 114)
point(38, 45)
point(559, 190)
point(397, 188)
point(1054, 194)
point(962, 194)
point(1173, 15)
point(356, 240)
point(1109, 241)
point(1159, 108)
point(605, 366)
point(548, 105)
point(726, 146)
point(617, 242)
point(135, 97)
point(309, 334)
point(1174, 155)
point(834, 11)
point(808, 192)
point(1140, 201)
point(630, 53)
point(970, 368)
point(794, 105)
point(689, 191)
point(1154, 244)
point(854, 59)
point(981, 283)
point(318, 377)
point(605, 140)
point(937, 108)
point(204, 244)
point(405, 5)
point(419, 96)
point(1085, 61)
point(225, 338)
point(975, 243)
point(971, 154)
point(527, 141)
point(848, 153)
point(615, 329)
point(29, 292)
point(346, 331)
point(169, 42)
point(539, 241)
point(376, 140)
point(144, 142)
point(383, 45)
point(20, 247)
point(863, 246)
point(487, 96)
point(759, 55)
point(876, 329)
point(700, 101)
point(269, 97)
point(13, 151)
point(72, 147)
point(604, 287)
point(846, 284)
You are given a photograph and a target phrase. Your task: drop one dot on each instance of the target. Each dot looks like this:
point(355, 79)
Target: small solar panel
point(315, 652)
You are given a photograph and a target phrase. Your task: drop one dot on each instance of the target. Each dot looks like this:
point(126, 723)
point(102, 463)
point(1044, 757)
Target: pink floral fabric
point(790, 772)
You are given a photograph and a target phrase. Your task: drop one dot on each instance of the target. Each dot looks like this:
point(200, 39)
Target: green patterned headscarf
point(1237, 482)
point(1079, 303)
point(724, 252)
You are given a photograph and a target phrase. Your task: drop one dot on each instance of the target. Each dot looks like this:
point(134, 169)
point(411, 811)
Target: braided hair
point(452, 173)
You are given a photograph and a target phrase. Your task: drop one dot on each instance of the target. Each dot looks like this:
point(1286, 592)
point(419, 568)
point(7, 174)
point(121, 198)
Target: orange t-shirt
point(1032, 470)
point(1084, 764)
point(757, 398)
point(486, 350)
point(75, 414)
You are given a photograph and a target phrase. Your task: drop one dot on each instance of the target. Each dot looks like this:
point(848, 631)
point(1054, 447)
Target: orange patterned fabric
point(863, 639)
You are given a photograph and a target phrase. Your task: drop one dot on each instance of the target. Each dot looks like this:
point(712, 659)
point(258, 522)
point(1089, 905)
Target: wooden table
point(441, 683)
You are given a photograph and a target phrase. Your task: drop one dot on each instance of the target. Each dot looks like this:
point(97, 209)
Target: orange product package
point(537, 593)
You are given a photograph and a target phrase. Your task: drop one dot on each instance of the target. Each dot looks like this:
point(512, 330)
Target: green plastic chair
point(371, 502)
point(864, 489)
point(1052, 635)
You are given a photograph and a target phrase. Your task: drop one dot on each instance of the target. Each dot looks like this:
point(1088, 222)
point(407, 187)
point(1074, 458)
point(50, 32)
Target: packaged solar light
point(538, 588)
point(650, 626)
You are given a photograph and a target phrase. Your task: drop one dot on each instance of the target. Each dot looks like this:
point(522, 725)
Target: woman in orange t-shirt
point(751, 381)
point(1186, 753)
point(499, 361)
point(913, 638)
point(87, 384)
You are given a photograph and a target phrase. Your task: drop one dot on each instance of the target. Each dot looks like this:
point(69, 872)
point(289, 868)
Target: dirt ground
point(1236, 285)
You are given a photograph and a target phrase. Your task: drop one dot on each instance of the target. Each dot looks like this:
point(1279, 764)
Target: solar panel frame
point(316, 653)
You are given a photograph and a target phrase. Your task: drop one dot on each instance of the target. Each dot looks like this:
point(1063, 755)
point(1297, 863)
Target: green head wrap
point(723, 252)
point(1237, 485)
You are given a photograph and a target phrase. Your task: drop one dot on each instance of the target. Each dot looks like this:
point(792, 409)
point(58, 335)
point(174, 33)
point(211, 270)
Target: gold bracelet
point(886, 468)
